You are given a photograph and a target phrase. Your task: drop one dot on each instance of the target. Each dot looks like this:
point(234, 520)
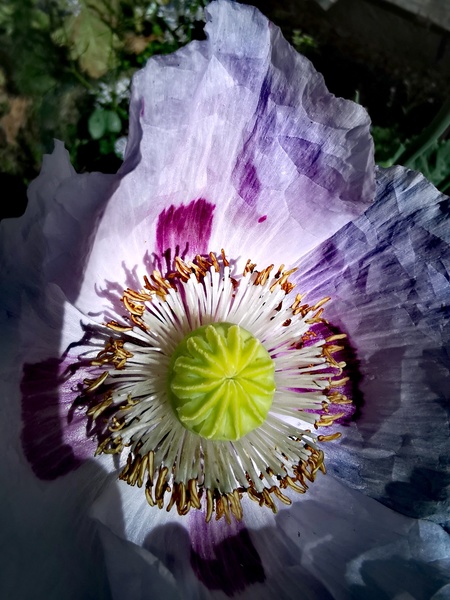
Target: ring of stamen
point(136, 407)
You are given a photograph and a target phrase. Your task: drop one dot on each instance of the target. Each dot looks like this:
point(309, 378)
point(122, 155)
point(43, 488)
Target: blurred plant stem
point(429, 136)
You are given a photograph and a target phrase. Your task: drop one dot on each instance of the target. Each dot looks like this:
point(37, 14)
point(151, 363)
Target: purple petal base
point(223, 556)
point(54, 433)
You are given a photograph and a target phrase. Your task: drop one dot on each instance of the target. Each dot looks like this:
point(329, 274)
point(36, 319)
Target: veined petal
point(388, 276)
point(237, 133)
point(331, 543)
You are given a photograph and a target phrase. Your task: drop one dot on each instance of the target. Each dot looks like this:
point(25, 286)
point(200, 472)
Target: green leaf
point(112, 121)
point(97, 123)
point(91, 41)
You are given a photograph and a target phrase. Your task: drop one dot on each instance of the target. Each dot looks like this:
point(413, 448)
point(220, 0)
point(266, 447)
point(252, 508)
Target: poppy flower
point(194, 341)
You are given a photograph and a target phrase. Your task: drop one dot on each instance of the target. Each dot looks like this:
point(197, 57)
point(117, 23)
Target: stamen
point(216, 388)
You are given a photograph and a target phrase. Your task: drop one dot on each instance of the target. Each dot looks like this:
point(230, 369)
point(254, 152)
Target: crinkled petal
point(235, 134)
point(332, 543)
point(51, 242)
point(388, 276)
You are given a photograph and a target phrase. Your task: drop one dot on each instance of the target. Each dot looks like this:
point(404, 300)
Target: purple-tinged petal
point(388, 276)
point(46, 405)
point(223, 556)
point(54, 429)
point(51, 242)
point(357, 548)
point(246, 124)
point(332, 543)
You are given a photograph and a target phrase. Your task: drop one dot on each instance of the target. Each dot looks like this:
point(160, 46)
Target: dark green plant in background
point(66, 67)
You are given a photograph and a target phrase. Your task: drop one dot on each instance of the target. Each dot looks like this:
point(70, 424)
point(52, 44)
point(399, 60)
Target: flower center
point(215, 385)
point(221, 382)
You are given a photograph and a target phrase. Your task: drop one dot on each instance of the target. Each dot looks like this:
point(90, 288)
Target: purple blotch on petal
point(262, 219)
point(234, 566)
point(50, 451)
point(185, 230)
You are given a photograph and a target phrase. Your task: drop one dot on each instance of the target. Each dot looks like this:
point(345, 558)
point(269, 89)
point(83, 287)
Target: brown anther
point(137, 296)
point(148, 496)
point(235, 504)
point(209, 505)
point(193, 493)
point(329, 438)
point(249, 267)
point(253, 495)
point(139, 322)
point(284, 499)
point(142, 470)
point(333, 348)
point(224, 258)
point(172, 500)
point(134, 472)
point(316, 318)
point(321, 303)
point(93, 384)
point(283, 281)
point(161, 485)
point(182, 269)
point(116, 447)
point(335, 337)
point(309, 335)
point(336, 398)
point(268, 501)
point(296, 303)
point(132, 307)
point(97, 410)
point(287, 287)
point(186, 508)
point(199, 273)
point(162, 284)
point(327, 420)
point(115, 326)
point(290, 482)
point(225, 507)
point(263, 276)
point(124, 473)
point(181, 501)
point(304, 471)
point(116, 425)
point(219, 507)
point(339, 382)
point(214, 262)
point(279, 272)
